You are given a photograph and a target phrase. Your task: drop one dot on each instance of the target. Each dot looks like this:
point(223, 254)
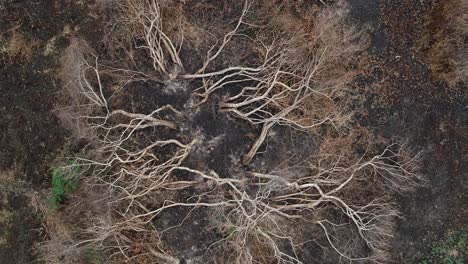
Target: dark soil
point(20, 226)
point(29, 84)
point(404, 100)
point(30, 134)
point(398, 97)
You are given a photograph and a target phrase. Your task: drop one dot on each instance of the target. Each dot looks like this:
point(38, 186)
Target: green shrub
point(452, 251)
point(65, 180)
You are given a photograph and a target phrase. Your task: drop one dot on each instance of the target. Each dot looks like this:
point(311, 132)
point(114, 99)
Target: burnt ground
point(32, 36)
point(398, 97)
point(404, 100)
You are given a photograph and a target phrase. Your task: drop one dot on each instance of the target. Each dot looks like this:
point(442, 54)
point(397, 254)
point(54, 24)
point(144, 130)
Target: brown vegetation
point(18, 46)
point(445, 40)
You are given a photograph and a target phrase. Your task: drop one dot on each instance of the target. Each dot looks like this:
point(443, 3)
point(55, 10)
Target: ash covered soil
point(396, 96)
point(402, 98)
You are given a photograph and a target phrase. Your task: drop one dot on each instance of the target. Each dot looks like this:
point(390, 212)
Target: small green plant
point(154, 226)
point(65, 180)
point(452, 251)
point(232, 233)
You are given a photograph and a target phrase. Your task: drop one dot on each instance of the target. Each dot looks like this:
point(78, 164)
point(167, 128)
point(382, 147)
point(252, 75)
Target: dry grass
point(445, 40)
point(19, 47)
point(328, 40)
point(66, 226)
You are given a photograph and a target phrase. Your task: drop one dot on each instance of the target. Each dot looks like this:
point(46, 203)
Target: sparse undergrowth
point(452, 251)
point(445, 40)
point(65, 180)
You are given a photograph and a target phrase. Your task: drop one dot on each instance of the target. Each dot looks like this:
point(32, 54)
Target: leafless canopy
point(296, 84)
